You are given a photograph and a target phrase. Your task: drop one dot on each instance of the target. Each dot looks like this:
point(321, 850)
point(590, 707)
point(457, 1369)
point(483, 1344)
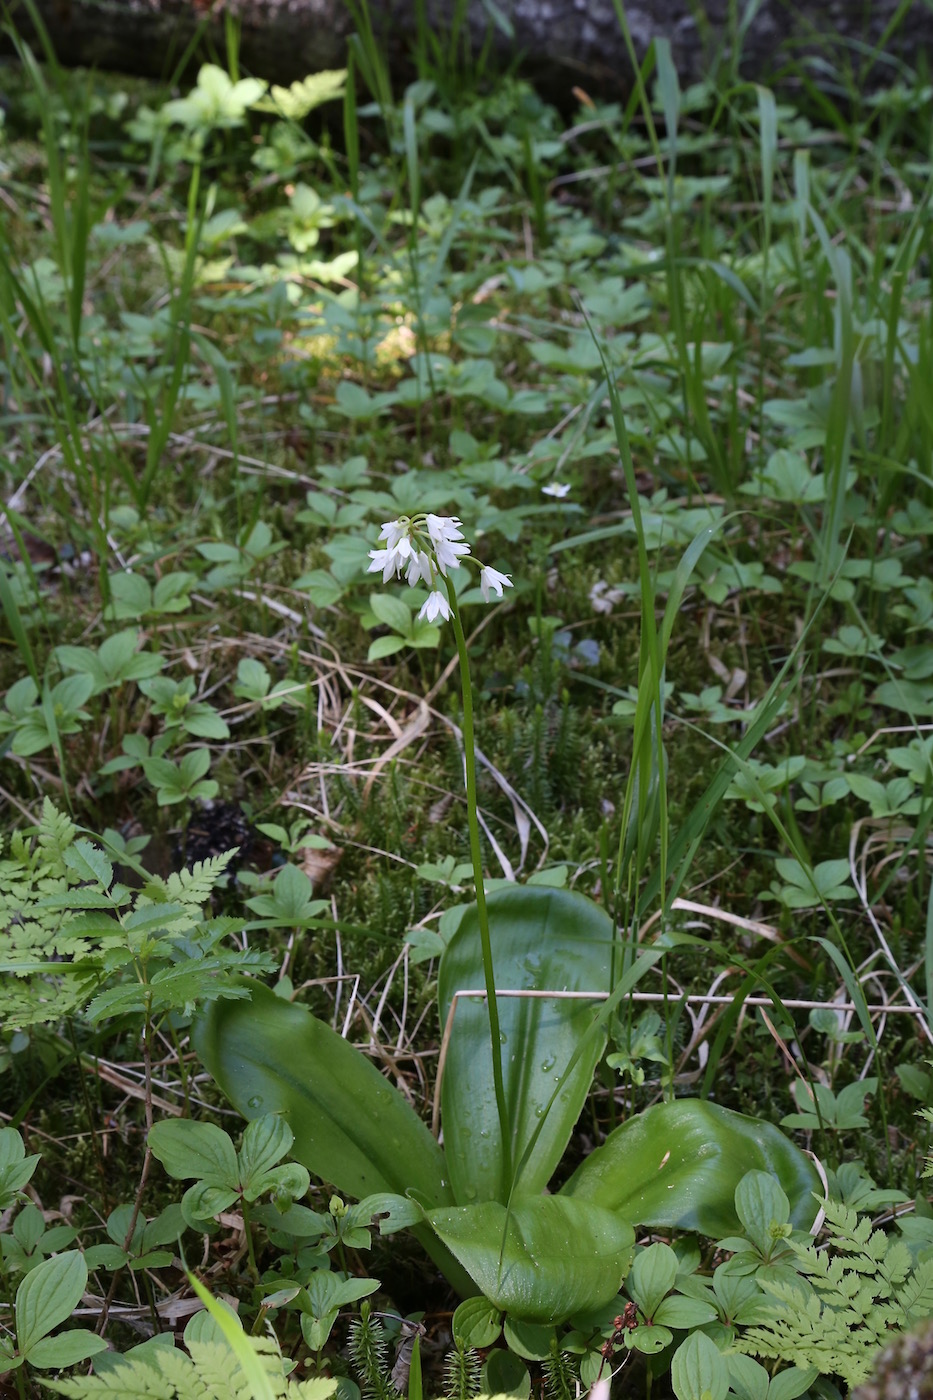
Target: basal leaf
point(543, 1259)
point(678, 1164)
point(543, 940)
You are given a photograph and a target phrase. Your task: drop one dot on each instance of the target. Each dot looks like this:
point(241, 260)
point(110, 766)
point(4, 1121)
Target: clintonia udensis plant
point(527, 986)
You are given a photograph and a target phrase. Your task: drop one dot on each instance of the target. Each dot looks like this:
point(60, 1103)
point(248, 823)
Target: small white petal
point(491, 581)
point(448, 554)
point(436, 606)
point(443, 529)
point(556, 488)
point(394, 531)
point(419, 568)
point(386, 561)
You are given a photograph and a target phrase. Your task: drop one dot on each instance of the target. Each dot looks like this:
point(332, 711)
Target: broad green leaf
point(684, 1313)
point(47, 1296)
point(542, 939)
point(543, 1259)
point(67, 1349)
point(265, 1142)
point(351, 1126)
point(201, 1150)
point(652, 1277)
point(391, 611)
point(678, 1164)
point(761, 1206)
point(386, 646)
point(505, 1377)
point(699, 1370)
point(530, 1340)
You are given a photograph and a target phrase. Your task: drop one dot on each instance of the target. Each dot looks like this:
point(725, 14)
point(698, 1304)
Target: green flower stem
point(476, 855)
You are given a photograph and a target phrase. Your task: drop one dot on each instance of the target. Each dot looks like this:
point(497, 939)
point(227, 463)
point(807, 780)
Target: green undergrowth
point(242, 327)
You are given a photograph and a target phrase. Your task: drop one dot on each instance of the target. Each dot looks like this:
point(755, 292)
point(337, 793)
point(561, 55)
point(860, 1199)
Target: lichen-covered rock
point(563, 42)
point(904, 1370)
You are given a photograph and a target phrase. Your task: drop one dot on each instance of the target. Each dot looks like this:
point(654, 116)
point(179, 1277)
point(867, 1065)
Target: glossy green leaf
point(47, 1296)
point(66, 1349)
point(530, 1340)
point(678, 1164)
point(762, 1208)
point(652, 1277)
point(543, 1259)
point(505, 1377)
point(699, 1370)
point(476, 1323)
point(265, 1142)
point(542, 939)
point(352, 1127)
point(188, 1149)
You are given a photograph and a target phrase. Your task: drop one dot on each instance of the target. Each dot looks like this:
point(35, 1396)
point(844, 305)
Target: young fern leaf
point(852, 1294)
point(163, 1373)
point(192, 887)
point(64, 923)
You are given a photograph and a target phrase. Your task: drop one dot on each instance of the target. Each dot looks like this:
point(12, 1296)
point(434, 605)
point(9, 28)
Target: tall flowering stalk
point(426, 548)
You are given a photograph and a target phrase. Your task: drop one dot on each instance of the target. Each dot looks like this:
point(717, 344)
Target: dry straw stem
point(858, 870)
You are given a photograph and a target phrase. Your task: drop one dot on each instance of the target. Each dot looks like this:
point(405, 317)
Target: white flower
point(491, 581)
point(385, 561)
point(398, 551)
point(556, 488)
point(419, 568)
point(436, 606)
point(447, 539)
point(394, 531)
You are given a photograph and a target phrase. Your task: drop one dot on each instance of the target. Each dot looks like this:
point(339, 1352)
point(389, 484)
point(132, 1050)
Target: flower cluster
point(423, 546)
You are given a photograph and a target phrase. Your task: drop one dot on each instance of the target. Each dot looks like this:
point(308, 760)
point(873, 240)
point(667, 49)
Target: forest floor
point(670, 363)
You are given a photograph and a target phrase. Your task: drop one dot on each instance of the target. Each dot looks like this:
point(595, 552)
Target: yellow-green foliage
point(209, 1373)
point(852, 1293)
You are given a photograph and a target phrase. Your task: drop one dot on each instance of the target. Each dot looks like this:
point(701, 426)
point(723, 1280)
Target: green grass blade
point(249, 1362)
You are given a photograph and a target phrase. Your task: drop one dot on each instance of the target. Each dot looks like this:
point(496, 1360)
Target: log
point(562, 42)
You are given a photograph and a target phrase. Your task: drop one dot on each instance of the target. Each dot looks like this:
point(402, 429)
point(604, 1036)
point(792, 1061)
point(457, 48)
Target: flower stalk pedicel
point(424, 548)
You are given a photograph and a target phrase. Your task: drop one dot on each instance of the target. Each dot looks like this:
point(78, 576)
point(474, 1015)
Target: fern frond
point(211, 1372)
point(853, 1294)
point(192, 887)
point(55, 834)
point(916, 1296)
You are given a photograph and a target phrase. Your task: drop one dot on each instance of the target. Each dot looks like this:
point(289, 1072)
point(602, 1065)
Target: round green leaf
point(476, 1324)
point(504, 1375)
point(649, 1340)
point(529, 1339)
